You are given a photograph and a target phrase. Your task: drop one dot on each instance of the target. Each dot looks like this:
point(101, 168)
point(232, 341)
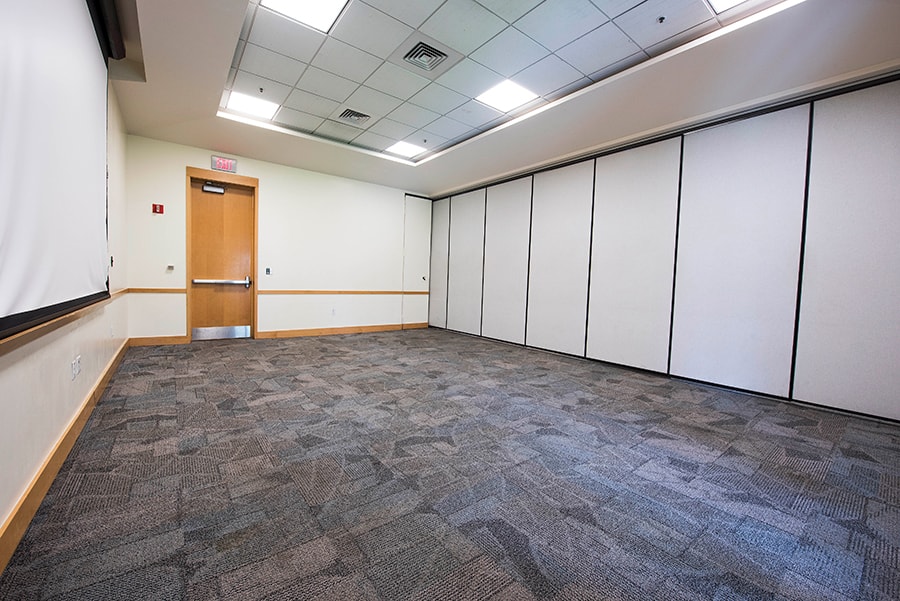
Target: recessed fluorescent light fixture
point(506, 96)
point(318, 14)
point(721, 6)
point(250, 105)
point(405, 149)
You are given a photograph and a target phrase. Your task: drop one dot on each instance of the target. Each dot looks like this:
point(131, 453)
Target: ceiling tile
point(510, 52)
point(238, 53)
point(685, 36)
point(447, 127)
point(598, 49)
point(371, 102)
point(323, 83)
point(412, 13)
point(254, 85)
point(298, 120)
point(439, 99)
point(310, 103)
point(392, 129)
point(338, 131)
point(413, 115)
point(425, 139)
point(510, 10)
point(271, 65)
point(623, 64)
point(548, 76)
point(373, 141)
point(396, 81)
point(464, 25)
point(474, 114)
point(614, 8)
point(556, 23)
point(370, 30)
point(248, 20)
point(342, 59)
point(642, 22)
point(469, 78)
point(284, 36)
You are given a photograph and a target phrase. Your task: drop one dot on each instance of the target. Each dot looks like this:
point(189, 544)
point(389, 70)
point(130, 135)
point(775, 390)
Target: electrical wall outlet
point(76, 366)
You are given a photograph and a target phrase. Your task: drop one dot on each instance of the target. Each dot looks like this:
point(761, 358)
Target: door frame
point(225, 178)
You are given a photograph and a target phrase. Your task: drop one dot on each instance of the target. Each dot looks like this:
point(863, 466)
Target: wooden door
point(221, 261)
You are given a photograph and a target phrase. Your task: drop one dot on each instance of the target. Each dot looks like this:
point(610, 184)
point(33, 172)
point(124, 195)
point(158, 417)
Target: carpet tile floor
point(429, 465)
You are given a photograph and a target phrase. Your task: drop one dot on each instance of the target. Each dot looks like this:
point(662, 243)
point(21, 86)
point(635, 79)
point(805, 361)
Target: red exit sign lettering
point(224, 164)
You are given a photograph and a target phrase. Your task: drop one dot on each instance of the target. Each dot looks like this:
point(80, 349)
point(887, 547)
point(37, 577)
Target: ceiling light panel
point(405, 149)
point(506, 96)
point(250, 105)
point(320, 14)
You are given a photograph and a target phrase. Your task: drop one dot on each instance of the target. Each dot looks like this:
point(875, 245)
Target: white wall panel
point(633, 254)
point(739, 251)
point(315, 311)
point(157, 315)
point(466, 262)
point(416, 257)
point(506, 238)
point(849, 334)
point(560, 252)
point(440, 243)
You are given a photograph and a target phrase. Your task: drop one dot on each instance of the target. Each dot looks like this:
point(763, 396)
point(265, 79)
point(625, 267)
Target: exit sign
point(224, 164)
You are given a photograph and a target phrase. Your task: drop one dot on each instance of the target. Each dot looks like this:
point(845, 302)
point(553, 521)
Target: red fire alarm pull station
point(158, 209)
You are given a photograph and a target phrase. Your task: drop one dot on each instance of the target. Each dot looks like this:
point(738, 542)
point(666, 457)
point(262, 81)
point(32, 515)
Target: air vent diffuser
point(352, 116)
point(425, 57)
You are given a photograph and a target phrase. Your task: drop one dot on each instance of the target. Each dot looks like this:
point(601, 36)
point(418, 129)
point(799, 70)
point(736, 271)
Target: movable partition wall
point(759, 254)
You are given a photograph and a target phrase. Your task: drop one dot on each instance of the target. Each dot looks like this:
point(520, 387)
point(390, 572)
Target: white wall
point(724, 222)
point(506, 240)
point(416, 258)
point(633, 255)
point(739, 243)
point(316, 232)
point(560, 254)
point(466, 262)
point(849, 335)
point(40, 397)
point(439, 266)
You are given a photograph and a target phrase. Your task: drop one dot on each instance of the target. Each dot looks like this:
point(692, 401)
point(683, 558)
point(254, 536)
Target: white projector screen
point(53, 103)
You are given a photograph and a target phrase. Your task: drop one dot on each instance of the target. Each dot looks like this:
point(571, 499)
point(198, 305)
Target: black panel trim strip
point(675, 254)
point(809, 141)
point(587, 306)
point(528, 271)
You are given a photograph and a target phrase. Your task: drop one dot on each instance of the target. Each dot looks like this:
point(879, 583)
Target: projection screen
point(53, 106)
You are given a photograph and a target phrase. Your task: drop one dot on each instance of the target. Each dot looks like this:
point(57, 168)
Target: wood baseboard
point(329, 331)
point(158, 340)
point(415, 326)
point(12, 531)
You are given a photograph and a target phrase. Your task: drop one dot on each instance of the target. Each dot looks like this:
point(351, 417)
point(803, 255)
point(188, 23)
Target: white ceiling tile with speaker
point(389, 71)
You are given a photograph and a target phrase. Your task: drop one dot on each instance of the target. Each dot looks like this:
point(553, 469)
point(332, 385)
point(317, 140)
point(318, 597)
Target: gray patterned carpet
point(431, 465)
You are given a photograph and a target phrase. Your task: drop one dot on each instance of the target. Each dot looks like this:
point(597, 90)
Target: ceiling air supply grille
point(424, 56)
point(352, 116)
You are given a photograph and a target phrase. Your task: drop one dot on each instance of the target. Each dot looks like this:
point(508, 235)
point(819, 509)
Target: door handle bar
point(245, 282)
